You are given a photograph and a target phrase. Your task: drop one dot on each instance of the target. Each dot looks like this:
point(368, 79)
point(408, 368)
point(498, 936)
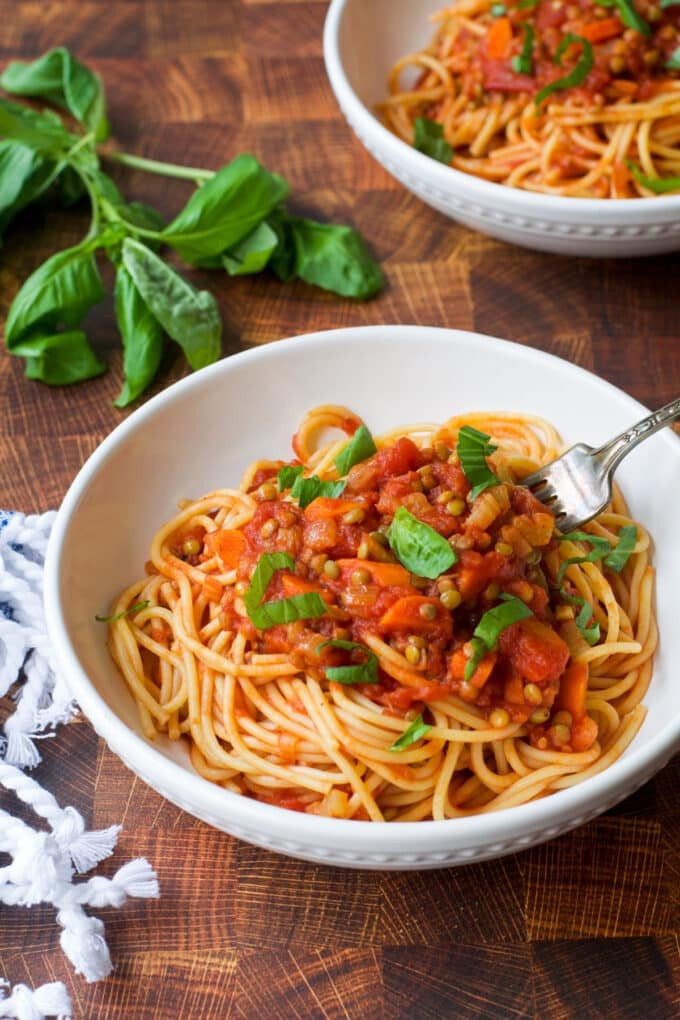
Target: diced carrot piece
point(228, 546)
point(294, 585)
point(406, 614)
point(573, 688)
point(459, 661)
point(599, 31)
point(385, 575)
point(498, 39)
point(326, 506)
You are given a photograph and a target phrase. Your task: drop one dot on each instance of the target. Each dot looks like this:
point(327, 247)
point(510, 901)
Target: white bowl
point(363, 39)
point(200, 434)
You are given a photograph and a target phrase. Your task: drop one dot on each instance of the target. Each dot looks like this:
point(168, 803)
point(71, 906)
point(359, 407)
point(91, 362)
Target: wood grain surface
point(585, 926)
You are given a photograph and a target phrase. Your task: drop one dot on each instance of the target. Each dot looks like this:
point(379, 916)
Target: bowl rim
point(448, 177)
point(222, 807)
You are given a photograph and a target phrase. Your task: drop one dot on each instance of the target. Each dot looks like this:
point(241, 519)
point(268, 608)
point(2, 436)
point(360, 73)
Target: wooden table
point(584, 926)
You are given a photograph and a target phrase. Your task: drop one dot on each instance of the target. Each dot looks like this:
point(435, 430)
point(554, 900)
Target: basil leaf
point(590, 633)
point(59, 359)
point(285, 479)
point(61, 79)
point(252, 254)
point(420, 548)
point(139, 214)
point(56, 295)
point(24, 176)
point(189, 316)
point(42, 132)
point(225, 209)
point(600, 549)
point(269, 614)
point(360, 447)
point(619, 556)
point(305, 490)
point(138, 606)
point(492, 624)
point(523, 64)
point(142, 337)
point(525, 5)
point(630, 17)
point(498, 10)
point(411, 734)
point(359, 673)
point(669, 3)
point(326, 255)
point(575, 77)
point(473, 448)
point(428, 138)
point(659, 185)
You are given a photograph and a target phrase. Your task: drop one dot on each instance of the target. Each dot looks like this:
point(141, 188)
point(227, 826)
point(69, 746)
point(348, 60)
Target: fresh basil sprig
point(359, 673)
point(418, 728)
point(492, 624)
point(473, 448)
point(428, 138)
point(264, 615)
point(61, 79)
point(234, 220)
point(420, 548)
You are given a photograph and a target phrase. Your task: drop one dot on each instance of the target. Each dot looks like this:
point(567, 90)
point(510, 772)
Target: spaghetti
point(392, 629)
point(564, 97)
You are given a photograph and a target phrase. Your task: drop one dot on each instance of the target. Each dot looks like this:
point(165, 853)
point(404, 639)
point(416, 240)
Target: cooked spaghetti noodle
point(565, 97)
point(392, 629)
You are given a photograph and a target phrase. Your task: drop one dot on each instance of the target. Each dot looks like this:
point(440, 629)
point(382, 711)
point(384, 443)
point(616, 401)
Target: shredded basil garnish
point(614, 557)
point(575, 77)
point(591, 634)
point(498, 10)
point(305, 606)
point(673, 64)
point(428, 138)
point(473, 449)
point(619, 556)
point(305, 490)
point(488, 630)
point(415, 731)
point(420, 548)
point(659, 185)
point(138, 606)
point(525, 5)
point(287, 475)
point(523, 64)
point(629, 16)
point(360, 447)
point(358, 673)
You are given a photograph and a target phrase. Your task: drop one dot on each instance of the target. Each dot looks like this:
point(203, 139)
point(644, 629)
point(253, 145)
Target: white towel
point(46, 861)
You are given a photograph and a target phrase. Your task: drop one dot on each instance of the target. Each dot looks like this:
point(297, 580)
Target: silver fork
point(578, 485)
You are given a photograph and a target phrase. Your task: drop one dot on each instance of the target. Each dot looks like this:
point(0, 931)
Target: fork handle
point(613, 452)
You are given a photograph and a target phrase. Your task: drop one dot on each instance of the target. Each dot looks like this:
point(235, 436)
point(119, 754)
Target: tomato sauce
point(339, 548)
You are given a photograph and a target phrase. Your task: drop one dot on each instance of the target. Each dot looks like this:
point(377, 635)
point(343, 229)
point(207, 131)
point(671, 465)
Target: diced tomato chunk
point(537, 653)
